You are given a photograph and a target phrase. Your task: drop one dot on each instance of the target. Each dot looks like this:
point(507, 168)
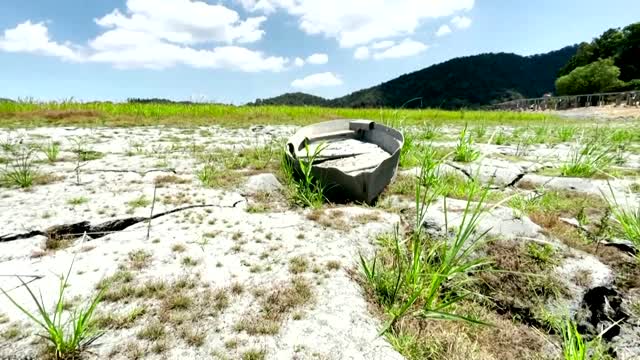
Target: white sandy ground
point(336, 325)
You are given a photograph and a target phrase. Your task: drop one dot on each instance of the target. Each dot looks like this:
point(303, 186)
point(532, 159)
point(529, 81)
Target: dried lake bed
point(242, 271)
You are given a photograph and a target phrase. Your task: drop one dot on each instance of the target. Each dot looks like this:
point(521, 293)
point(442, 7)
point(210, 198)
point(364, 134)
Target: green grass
point(628, 217)
point(68, 335)
point(588, 160)
point(51, 151)
point(78, 200)
point(419, 275)
point(464, 151)
point(30, 113)
point(19, 172)
point(305, 189)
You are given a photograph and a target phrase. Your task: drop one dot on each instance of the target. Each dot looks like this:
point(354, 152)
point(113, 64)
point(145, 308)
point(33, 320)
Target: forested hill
point(469, 81)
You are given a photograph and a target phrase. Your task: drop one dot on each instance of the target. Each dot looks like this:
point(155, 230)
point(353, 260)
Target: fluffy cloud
point(317, 80)
point(158, 34)
point(318, 59)
point(298, 62)
point(360, 22)
point(406, 48)
point(34, 38)
point(184, 22)
point(461, 22)
point(443, 30)
point(361, 53)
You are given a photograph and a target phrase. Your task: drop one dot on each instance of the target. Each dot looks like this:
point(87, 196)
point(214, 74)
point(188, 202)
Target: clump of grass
point(298, 264)
point(566, 133)
point(588, 160)
point(20, 172)
point(70, 337)
point(425, 276)
point(628, 217)
point(464, 151)
point(77, 200)
point(275, 306)
point(139, 202)
point(51, 151)
point(139, 259)
point(306, 188)
point(254, 354)
point(501, 138)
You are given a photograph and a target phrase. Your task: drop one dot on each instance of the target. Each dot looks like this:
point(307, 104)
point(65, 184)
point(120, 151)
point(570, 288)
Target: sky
point(234, 51)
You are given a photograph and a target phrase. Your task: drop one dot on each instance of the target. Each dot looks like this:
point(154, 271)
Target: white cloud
point(443, 30)
point(298, 62)
point(185, 22)
point(406, 48)
point(158, 34)
point(361, 53)
point(359, 22)
point(382, 44)
point(318, 59)
point(317, 80)
point(34, 38)
point(461, 22)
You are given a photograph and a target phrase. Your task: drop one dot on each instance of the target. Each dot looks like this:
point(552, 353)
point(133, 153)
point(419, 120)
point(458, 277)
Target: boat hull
point(353, 177)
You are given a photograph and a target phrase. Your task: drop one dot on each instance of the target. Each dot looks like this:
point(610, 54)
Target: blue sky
point(235, 51)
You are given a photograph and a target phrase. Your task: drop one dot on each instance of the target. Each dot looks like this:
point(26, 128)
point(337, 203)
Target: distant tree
point(621, 45)
point(595, 77)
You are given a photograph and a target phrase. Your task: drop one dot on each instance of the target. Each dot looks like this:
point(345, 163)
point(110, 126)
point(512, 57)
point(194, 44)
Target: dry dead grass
point(453, 340)
point(276, 306)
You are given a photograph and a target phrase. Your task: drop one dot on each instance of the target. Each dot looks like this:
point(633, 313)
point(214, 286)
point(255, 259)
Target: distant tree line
point(609, 63)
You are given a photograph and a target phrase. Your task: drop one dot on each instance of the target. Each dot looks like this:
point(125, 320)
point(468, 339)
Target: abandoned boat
point(355, 160)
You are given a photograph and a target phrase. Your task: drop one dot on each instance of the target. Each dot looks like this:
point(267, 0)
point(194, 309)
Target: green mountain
point(297, 99)
point(470, 81)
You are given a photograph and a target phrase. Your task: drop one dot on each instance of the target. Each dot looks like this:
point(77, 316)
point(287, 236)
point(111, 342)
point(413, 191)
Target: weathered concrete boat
point(358, 158)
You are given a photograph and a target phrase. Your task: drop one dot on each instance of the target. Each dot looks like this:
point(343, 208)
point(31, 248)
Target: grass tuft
point(68, 334)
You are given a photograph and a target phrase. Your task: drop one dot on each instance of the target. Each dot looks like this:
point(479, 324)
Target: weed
point(70, 337)
point(544, 254)
point(501, 138)
point(152, 331)
point(419, 272)
point(628, 217)
point(51, 151)
point(139, 259)
point(20, 172)
point(254, 354)
point(298, 264)
point(307, 190)
point(139, 202)
point(77, 201)
point(464, 151)
point(588, 160)
point(566, 133)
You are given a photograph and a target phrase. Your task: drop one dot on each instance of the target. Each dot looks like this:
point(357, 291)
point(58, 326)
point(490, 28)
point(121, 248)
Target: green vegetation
point(588, 160)
point(21, 114)
point(51, 151)
point(306, 189)
point(465, 82)
point(422, 276)
point(628, 217)
point(20, 172)
point(599, 76)
point(619, 45)
point(68, 334)
point(464, 151)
